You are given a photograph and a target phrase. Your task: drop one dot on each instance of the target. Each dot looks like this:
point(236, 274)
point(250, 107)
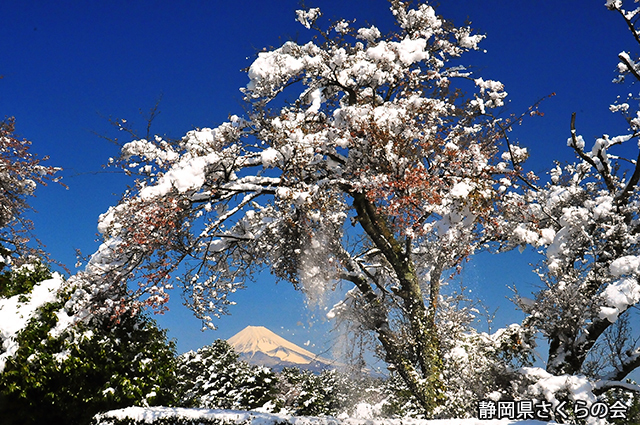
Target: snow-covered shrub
point(329, 393)
point(213, 377)
point(479, 366)
point(301, 392)
point(22, 279)
point(68, 374)
point(630, 399)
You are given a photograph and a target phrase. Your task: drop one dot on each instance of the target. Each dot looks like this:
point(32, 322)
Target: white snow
point(547, 236)
point(519, 154)
point(370, 34)
point(316, 100)
point(618, 297)
point(548, 385)
point(144, 149)
point(628, 264)
point(411, 51)
point(468, 41)
point(579, 142)
point(187, 175)
point(408, 51)
point(270, 157)
point(527, 236)
point(308, 17)
point(150, 414)
point(15, 314)
point(461, 190)
point(277, 63)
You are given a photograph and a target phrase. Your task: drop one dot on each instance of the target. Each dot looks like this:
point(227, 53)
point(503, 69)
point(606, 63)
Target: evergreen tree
point(213, 377)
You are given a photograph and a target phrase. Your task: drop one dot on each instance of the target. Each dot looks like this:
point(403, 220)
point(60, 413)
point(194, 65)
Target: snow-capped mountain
point(258, 345)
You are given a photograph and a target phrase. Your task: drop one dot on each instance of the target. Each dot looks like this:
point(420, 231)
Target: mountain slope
point(259, 345)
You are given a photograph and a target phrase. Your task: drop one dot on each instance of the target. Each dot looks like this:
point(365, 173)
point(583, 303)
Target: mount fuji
point(259, 346)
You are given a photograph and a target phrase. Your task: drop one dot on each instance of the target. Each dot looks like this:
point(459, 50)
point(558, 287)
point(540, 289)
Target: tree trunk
point(423, 347)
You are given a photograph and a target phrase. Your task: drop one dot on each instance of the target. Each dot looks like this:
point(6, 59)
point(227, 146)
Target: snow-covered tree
point(586, 223)
point(214, 377)
point(359, 163)
point(20, 173)
point(51, 373)
point(330, 393)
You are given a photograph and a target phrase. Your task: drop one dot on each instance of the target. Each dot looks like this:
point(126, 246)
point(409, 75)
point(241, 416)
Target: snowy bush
point(49, 375)
point(213, 377)
point(478, 366)
point(21, 280)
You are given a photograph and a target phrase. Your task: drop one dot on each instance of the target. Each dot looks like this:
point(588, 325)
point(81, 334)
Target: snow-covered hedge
point(177, 416)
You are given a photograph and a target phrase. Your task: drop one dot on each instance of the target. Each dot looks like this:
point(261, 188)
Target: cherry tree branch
point(604, 170)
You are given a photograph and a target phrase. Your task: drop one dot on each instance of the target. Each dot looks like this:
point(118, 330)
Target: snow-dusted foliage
point(213, 377)
point(48, 375)
point(480, 366)
point(303, 393)
point(586, 222)
point(330, 393)
point(20, 173)
point(358, 163)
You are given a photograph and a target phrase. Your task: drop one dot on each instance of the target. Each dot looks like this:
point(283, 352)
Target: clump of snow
point(187, 175)
point(525, 236)
point(495, 91)
point(579, 142)
point(408, 51)
point(517, 154)
point(142, 148)
point(546, 236)
point(341, 27)
point(468, 41)
point(548, 385)
point(316, 100)
point(308, 17)
point(629, 264)
point(411, 51)
point(461, 190)
point(423, 18)
point(611, 4)
point(370, 34)
point(275, 64)
point(618, 296)
point(270, 157)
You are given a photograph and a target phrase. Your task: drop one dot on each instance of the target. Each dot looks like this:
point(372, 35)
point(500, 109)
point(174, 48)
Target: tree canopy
point(359, 159)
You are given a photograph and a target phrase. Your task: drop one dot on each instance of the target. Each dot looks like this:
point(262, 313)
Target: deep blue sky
point(69, 66)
